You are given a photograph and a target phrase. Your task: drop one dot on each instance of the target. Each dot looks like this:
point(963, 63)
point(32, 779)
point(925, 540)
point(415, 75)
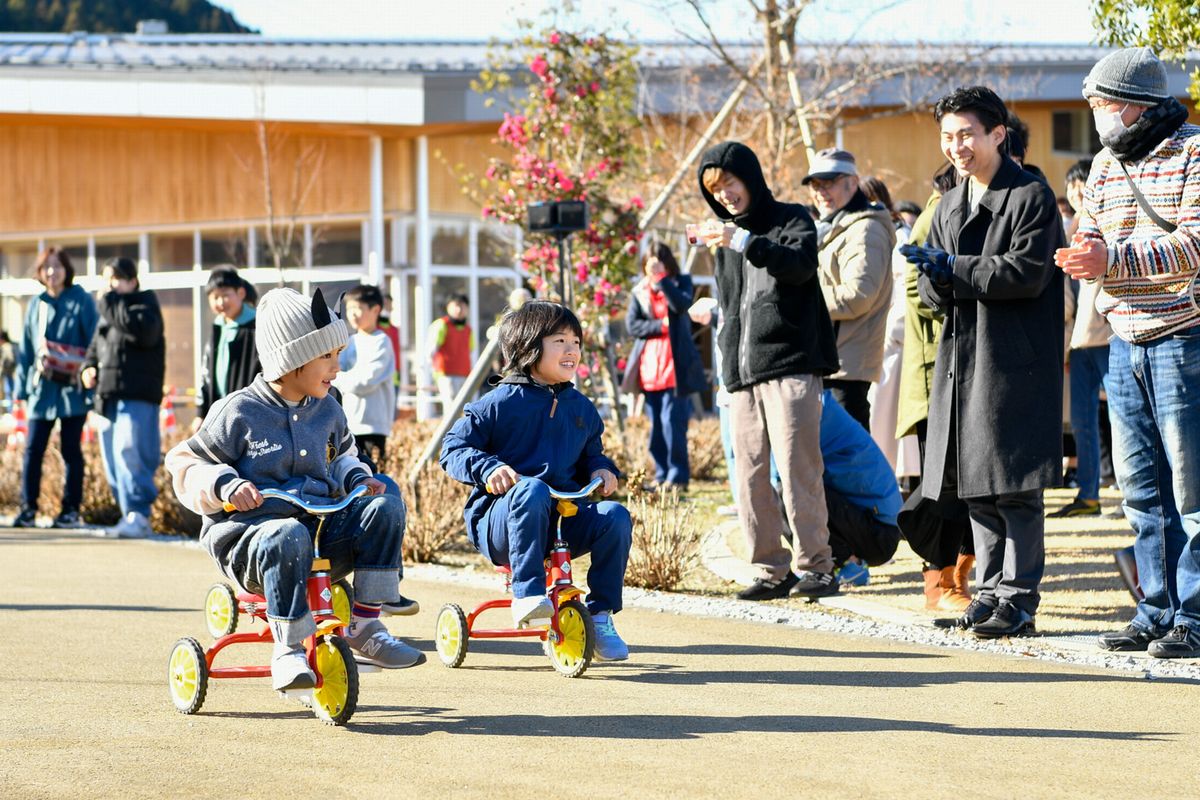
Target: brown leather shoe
point(933, 588)
point(957, 596)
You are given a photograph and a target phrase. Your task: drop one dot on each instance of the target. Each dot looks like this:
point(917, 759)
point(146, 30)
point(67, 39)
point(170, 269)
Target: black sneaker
point(403, 607)
point(815, 584)
point(68, 519)
point(977, 612)
point(769, 588)
point(1181, 642)
point(26, 519)
point(1006, 620)
point(1078, 508)
point(1130, 639)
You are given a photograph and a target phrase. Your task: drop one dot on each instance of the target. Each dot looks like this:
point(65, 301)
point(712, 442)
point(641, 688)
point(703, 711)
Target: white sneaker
point(132, 526)
point(289, 669)
point(531, 611)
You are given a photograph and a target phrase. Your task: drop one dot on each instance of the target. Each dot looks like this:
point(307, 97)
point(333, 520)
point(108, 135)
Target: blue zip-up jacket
point(854, 464)
point(70, 319)
point(546, 432)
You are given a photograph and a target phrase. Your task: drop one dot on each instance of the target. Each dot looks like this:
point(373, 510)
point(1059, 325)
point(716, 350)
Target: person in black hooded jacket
point(777, 343)
point(126, 363)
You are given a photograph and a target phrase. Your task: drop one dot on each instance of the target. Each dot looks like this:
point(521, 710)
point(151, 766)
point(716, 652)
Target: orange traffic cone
point(16, 439)
point(89, 431)
point(166, 415)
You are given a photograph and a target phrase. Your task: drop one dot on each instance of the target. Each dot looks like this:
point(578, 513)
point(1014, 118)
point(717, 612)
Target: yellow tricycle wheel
point(343, 601)
point(572, 653)
point(334, 703)
point(187, 675)
point(452, 635)
point(220, 610)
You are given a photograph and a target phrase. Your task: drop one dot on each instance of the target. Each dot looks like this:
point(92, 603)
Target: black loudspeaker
point(563, 216)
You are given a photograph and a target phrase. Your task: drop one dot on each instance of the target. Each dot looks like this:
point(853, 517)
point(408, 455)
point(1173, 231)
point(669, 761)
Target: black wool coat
point(995, 410)
point(776, 322)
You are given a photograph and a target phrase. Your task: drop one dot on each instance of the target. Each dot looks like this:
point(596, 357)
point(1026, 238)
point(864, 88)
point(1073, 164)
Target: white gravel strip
point(816, 618)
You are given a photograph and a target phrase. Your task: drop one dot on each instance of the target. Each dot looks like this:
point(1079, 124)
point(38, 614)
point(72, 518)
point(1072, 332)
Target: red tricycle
point(335, 696)
point(568, 640)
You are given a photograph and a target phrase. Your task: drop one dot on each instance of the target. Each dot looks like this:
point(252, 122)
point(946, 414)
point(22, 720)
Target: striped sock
point(362, 614)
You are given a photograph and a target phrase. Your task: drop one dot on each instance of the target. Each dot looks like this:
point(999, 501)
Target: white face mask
point(1109, 123)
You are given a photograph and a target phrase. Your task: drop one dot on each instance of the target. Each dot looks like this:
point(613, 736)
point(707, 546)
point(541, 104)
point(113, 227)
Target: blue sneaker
point(609, 644)
point(854, 574)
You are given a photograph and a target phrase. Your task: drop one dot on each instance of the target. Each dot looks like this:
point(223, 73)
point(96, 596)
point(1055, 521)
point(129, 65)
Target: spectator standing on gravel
point(125, 365)
point(664, 364)
point(995, 414)
point(1087, 372)
point(230, 359)
point(854, 245)
point(59, 324)
point(1140, 238)
point(777, 344)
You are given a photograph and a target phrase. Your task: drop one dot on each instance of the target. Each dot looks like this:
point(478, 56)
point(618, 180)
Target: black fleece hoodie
point(776, 323)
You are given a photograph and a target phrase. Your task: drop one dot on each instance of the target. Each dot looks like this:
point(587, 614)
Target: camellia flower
point(539, 66)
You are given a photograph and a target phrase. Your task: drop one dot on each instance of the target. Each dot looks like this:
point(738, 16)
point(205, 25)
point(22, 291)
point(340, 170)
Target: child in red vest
point(450, 344)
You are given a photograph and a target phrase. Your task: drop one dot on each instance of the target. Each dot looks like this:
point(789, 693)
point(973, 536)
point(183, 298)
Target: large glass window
point(171, 252)
point(451, 244)
point(18, 260)
point(290, 248)
point(114, 249)
point(1073, 133)
point(497, 248)
point(223, 247)
point(337, 245)
point(493, 301)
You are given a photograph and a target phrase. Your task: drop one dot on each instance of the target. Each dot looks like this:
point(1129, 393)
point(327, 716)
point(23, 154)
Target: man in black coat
point(995, 411)
point(777, 343)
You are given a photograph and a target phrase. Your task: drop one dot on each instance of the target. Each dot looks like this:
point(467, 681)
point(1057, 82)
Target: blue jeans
point(727, 445)
point(1154, 399)
point(274, 558)
point(519, 528)
point(70, 436)
point(130, 450)
point(669, 414)
point(1089, 371)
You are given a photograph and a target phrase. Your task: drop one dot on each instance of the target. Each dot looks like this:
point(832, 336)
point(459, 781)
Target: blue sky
point(1060, 21)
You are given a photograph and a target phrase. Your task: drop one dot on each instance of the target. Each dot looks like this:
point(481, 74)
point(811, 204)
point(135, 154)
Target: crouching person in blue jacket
point(535, 431)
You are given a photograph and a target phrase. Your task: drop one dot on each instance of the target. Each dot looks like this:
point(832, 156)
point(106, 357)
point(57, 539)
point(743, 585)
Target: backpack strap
point(1141, 199)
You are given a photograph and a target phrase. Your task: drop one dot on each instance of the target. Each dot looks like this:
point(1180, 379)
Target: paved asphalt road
point(704, 708)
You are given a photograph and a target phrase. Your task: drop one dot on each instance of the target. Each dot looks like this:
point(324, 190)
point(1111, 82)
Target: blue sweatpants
point(519, 528)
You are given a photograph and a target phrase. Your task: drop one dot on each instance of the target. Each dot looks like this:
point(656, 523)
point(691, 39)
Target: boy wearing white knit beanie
point(284, 431)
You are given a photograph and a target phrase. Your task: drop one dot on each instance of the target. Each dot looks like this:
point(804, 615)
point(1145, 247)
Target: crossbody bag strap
point(1141, 199)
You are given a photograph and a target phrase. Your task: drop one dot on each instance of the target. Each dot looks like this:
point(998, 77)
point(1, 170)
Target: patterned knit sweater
point(1149, 287)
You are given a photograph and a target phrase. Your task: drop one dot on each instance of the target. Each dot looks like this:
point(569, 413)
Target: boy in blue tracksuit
point(535, 432)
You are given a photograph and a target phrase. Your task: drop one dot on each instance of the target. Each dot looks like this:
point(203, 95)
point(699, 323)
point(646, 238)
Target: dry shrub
point(99, 506)
point(665, 541)
point(629, 449)
point(168, 515)
point(706, 453)
point(10, 479)
point(435, 507)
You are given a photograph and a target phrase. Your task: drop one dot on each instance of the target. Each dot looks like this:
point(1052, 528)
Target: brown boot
point(933, 588)
point(957, 596)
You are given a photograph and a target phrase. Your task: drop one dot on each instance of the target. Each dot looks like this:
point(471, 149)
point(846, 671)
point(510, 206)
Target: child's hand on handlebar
point(501, 479)
point(374, 486)
point(244, 498)
point(610, 481)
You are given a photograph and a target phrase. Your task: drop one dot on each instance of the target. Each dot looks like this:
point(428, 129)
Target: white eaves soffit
point(192, 97)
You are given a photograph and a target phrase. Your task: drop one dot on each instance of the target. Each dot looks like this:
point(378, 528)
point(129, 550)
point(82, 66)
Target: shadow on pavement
point(882, 679)
point(423, 721)
point(93, 607)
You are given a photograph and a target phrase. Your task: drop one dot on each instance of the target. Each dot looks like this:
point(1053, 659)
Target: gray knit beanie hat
point(291, 330)
point(1132, 75)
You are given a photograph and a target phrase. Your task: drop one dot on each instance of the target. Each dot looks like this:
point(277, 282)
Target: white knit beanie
point(291, 330)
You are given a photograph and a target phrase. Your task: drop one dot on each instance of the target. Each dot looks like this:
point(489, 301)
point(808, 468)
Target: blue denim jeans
point(519, 529)
point(70, 436)
point(364, 539)
point(727, 446)
point(129, 448)
point(1089, 371)
point(669, 414)
point(1154, 400)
